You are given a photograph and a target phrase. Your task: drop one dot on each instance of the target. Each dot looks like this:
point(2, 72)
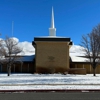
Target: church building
point(52, 52)
point(52, 55)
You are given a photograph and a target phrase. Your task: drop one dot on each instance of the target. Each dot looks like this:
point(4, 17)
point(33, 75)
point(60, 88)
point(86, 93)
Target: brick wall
point(52, 57)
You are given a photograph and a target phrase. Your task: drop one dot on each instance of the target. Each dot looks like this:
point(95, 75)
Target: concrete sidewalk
point(48, 87)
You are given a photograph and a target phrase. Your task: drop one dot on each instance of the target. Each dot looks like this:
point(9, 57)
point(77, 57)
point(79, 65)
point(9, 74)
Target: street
point(51, 96)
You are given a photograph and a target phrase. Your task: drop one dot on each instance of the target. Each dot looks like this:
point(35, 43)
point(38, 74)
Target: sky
point(32, 18)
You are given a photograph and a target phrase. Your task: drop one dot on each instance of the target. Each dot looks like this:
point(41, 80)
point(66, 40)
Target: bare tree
point(9, 50)
point(91, 44)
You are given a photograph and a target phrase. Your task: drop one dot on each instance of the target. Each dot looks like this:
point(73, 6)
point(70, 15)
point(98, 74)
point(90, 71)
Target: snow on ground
point(48, 81)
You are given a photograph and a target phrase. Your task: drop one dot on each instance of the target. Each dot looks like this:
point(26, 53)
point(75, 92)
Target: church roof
point(49, 38)
point(27, 58)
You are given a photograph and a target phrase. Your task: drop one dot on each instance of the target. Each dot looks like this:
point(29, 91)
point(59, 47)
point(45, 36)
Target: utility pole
point(12, 28)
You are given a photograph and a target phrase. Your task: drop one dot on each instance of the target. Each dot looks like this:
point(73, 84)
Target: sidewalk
point(49, 87)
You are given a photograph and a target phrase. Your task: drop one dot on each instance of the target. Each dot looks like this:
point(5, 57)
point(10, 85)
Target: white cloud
point(27, 47)
point(77, 50)
point(16, 39)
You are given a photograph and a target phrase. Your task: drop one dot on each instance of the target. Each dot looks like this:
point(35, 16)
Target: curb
point(50, 90)
point(43, 84)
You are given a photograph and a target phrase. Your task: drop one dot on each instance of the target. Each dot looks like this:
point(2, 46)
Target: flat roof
point(52, 39)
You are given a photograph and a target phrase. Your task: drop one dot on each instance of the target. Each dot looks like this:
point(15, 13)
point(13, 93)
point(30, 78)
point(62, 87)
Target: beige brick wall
point(88, 67)
point(52, 56)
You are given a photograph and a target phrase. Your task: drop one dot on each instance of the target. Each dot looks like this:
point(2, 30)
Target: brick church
point(51, 52)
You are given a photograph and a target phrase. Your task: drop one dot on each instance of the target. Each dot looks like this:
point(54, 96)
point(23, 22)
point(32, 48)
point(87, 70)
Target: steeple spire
point(52, 19)
point(52, 29)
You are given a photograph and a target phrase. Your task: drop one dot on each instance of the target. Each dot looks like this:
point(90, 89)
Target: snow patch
point(48, 81)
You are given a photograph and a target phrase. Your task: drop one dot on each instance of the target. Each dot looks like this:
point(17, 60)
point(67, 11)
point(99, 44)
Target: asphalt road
point(51, 96)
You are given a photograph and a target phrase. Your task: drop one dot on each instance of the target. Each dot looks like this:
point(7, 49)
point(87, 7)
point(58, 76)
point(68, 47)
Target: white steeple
point(52, 29)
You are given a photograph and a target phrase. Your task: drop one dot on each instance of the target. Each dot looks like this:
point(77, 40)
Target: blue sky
point(31, 18)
